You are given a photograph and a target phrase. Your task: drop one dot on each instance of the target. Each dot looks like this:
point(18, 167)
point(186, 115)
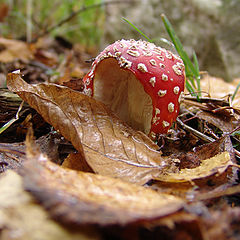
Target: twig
point(75, 13)
point(203, 136)
point(195, 132)
point(4, 148)
point(218, 193)
point(237, 152)
point(217, 101)
point(216, 110)
point(29, 21)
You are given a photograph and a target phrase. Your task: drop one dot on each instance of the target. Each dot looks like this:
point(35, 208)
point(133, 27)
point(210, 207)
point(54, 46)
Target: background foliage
point(38, 16)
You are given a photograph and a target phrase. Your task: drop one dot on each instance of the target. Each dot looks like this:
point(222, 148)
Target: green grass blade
point(198, 74)
point(190, 89)
point(235, 92)
point(7, 125)
point(195, 62)
point(10, 122)
point(192, 70)
point(178, 45)
point(138, 30)
point(191, 80)
point(237, 133)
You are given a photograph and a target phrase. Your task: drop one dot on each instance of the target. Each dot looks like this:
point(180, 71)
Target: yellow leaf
point(212, 166)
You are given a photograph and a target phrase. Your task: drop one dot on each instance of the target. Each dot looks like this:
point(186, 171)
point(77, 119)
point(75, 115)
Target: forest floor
point(69, 169)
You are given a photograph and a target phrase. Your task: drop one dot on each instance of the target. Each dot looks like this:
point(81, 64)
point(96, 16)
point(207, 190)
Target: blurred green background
point(34, 17)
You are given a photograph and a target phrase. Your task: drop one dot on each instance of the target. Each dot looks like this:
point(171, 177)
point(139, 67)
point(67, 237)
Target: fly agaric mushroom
point(140, 82)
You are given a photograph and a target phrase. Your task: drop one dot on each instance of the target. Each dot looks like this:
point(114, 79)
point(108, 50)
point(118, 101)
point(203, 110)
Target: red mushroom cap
point(139, 81)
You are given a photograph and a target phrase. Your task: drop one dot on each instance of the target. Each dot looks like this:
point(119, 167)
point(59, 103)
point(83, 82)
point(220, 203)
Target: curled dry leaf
point(109, 146)
point(75, 197)
point(212, 166)
point(216, 162)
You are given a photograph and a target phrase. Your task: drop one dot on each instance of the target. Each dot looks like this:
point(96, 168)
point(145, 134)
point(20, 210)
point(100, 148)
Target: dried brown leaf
point(220, 223)
point(212, 166)
point(11, 155)
point(214, 169)
point(109, 146)
point(14, 50)
point(221, 191)
point(224, 123)
point(75, 197)
point(22, 218)
point(224, 223)
point(218, 88)
point(210, 150)
point(74, 161)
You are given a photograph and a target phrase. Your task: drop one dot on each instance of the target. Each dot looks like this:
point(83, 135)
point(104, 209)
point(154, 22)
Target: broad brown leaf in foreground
point(22, 218)
point(76, 197)
point(109, 146)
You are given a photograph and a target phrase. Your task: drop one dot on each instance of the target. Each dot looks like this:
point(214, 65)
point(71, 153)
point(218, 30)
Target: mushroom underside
point(124, 94)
